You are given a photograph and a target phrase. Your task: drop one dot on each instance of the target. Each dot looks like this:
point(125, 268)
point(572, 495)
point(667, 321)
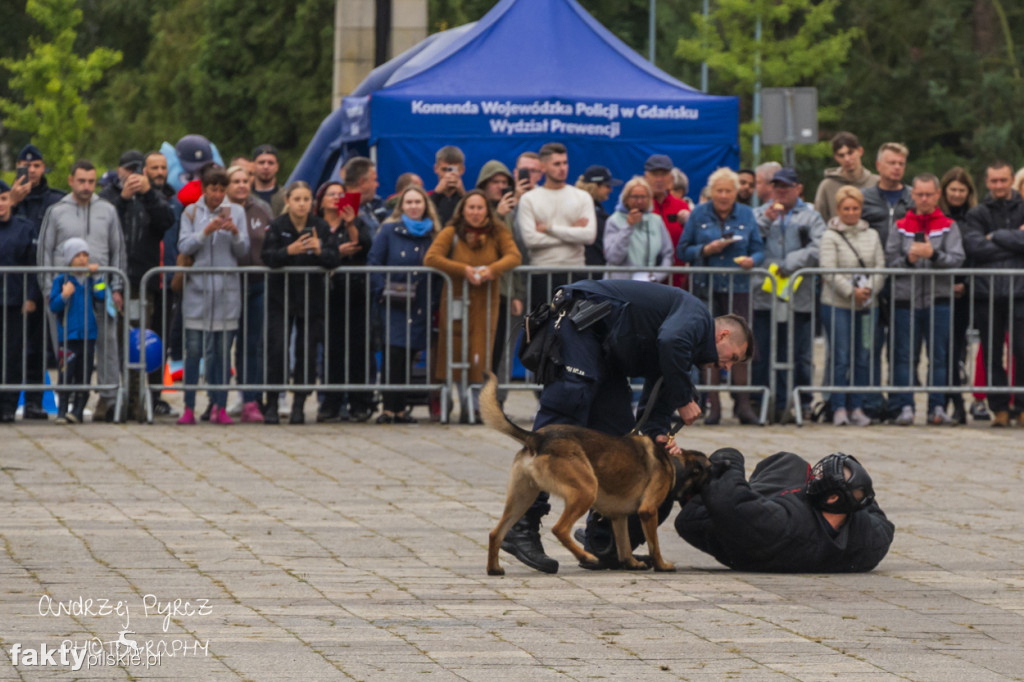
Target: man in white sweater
point(556, 222)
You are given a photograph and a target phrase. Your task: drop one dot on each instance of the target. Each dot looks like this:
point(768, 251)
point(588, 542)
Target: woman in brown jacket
point(476, 247)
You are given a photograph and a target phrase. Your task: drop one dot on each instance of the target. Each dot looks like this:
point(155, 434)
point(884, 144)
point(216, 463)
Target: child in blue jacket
point(71, 301)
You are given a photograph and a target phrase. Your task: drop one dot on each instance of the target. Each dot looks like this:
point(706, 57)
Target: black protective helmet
point(828, 478)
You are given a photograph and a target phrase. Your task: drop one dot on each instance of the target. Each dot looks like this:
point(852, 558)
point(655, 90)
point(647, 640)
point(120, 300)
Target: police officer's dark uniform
point(625, 329)
point(774, 522)
point(33, 207)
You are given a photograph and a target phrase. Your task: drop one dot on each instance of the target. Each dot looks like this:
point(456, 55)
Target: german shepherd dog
point(616, 476)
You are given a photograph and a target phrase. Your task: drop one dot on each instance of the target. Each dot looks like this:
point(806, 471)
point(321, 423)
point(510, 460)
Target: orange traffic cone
point(168, 380)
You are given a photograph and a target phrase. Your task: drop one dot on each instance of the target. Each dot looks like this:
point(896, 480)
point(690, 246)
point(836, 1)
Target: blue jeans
point(803, 350)
point(214, 349)
point(931, 327)
point(847, 337)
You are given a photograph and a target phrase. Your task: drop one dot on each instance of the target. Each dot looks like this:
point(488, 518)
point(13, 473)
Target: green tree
point(238, 72)
point(800, 45)
point(51, 80)
point(941, 76)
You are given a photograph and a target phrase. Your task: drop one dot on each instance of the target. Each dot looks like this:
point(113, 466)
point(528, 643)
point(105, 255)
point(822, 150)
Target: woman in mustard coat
point(476, 247)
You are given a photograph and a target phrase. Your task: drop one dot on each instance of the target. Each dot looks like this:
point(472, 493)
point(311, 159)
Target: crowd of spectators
point(301, 326)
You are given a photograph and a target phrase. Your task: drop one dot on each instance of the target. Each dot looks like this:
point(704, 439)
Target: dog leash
point(648, 406)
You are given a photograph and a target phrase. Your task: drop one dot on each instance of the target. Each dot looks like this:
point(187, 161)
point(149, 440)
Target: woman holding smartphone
point(213, 232)
point(296, 238)
point(722, 233)
point(347, 355)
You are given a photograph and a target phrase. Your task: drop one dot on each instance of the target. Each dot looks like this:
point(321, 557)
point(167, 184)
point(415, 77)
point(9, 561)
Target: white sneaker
point(284, 404)
point(839, 417)
point(938, 417)
point(235, 408)
point(906, 417)
point(858, 418)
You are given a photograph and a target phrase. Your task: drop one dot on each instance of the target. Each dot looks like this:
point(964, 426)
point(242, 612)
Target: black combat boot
point(523, 542)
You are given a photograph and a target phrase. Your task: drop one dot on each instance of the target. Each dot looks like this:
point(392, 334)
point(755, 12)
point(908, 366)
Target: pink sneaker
point(218, 415)
point(251, 413)
point(188, 418)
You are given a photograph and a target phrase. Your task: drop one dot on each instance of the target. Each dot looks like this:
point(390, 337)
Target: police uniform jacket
point(655, 331)
point(17, 248)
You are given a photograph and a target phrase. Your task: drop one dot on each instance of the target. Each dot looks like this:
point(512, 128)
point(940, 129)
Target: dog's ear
point(692, 475)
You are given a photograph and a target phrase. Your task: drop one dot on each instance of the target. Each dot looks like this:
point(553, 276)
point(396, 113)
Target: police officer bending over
point(603, 332)
point(790, 517)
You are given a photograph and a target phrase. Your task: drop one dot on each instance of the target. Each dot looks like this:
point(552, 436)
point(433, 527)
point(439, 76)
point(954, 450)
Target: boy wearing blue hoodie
point(76, 325)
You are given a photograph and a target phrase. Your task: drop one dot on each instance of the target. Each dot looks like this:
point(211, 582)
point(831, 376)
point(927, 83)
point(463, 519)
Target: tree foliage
point(51, 81)
point(942, 76)
point(799, 45)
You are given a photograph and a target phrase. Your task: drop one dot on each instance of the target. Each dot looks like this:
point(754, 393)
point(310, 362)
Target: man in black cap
point(145, 218)
point(265, 165)
point(673, 211)
point(31, 196)
point(789, 517)
point(597, 181)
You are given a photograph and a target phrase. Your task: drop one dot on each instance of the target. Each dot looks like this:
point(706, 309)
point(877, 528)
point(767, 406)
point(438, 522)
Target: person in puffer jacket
point(924, 239)
point(849, 303)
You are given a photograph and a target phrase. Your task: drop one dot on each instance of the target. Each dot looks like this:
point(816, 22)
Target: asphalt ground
point(357, 551)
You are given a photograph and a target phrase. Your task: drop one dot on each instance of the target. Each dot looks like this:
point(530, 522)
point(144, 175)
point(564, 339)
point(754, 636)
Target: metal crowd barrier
point(342, 290)
point(39, 330)
point(528, 284)
point(538, 284)
point(882, 333)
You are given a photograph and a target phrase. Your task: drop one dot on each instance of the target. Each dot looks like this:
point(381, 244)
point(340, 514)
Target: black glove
point(725, 459)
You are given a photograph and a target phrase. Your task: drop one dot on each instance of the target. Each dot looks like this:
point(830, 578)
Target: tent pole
point(650, 33)
point(757, 99)
point(704, 64)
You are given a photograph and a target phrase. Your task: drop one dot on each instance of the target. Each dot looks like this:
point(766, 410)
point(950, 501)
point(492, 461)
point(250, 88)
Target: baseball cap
point(600, 175)
point(785, 176)
point(658, 162)
point(264, 149)
point(30, 152)
point(132, 156)
point(193, 152)
point(4, 187)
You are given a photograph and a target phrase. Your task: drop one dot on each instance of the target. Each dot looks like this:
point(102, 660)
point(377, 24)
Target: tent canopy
point(529, 72)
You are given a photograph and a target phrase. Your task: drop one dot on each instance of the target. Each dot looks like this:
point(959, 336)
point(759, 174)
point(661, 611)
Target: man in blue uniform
point(605, 332)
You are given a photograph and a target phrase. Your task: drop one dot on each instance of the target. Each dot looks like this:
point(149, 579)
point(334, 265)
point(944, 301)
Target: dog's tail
point(493, 416)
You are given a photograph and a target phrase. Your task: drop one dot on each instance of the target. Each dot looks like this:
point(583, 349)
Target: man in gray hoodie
point(84, 215)
point(847, 151)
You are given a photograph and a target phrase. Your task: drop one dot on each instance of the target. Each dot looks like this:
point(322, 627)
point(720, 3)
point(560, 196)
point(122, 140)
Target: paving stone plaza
point(357, 552)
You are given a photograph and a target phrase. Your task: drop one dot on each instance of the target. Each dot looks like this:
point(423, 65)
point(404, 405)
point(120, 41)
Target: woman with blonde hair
point(475, 248)
point(722, 233)
point(636, 236)
point(403, 299)
point(848, 303)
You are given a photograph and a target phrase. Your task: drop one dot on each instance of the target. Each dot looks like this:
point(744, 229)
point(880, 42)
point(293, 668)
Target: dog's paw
point(592, 563)
point(496, 571)
point(636, 564)
point(665, 567)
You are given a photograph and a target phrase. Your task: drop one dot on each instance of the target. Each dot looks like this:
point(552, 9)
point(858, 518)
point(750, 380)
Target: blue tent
point(529, 72)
